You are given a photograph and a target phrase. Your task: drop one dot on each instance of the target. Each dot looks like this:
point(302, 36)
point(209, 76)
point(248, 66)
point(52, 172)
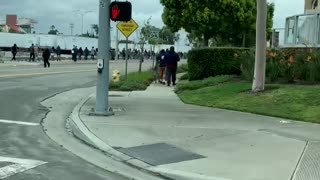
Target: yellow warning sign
point(127, 28)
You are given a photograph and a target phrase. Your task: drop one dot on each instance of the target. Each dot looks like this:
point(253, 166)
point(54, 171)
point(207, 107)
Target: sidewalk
point(155, 131)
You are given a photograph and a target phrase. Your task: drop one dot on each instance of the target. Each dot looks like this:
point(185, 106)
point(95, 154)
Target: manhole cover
point(159, 154)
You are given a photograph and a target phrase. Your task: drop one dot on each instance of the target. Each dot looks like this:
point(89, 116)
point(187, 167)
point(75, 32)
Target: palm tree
point(52, 28)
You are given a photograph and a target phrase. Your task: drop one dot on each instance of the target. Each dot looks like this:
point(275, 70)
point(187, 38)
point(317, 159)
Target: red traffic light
point(120, 11)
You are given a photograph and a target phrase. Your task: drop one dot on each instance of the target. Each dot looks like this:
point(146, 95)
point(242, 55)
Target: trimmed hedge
point(209, 62)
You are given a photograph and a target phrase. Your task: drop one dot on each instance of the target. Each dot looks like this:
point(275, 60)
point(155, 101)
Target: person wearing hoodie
point(171, 59)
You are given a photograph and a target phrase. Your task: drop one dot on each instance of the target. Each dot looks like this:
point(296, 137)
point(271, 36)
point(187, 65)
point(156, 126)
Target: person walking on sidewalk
point(14, 51)
point(171, 59)
point(32, 54)
point(46, 55)
point(58, 51)
point(161, 66)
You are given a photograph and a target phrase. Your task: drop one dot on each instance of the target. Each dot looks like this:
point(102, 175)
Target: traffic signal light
point(120, 11)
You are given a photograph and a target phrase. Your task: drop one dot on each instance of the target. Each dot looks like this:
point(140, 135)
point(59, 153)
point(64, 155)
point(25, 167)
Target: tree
point(261, 35)
point(87, 35)
point(149, 33)
point(53, 30)
point(166, 36)
point(95, 28)
point(227, 21)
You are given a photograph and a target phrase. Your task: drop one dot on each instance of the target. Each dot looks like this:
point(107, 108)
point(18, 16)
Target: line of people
point(78, 53)
point(167, 64)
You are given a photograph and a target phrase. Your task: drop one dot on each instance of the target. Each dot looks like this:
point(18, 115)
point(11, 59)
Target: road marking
point(46, 73)
point(20, 165)
point(18, 122)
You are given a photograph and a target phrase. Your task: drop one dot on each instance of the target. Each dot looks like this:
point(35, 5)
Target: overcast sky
point(61, 12)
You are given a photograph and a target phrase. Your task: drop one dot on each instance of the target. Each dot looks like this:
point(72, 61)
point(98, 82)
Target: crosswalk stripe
point(18, 122)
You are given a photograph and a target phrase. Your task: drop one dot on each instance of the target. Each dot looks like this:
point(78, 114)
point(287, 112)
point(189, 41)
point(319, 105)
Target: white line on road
point(19, 122)
point(20, 165)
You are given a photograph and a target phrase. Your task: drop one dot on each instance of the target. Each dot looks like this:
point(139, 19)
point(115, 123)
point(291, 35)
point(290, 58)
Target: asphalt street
point(23, 142)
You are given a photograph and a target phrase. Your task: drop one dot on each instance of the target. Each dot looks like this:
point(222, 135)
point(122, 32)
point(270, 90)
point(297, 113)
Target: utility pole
point(82, 13)
point(260, 62)
point(104, 46)
point(71, 28)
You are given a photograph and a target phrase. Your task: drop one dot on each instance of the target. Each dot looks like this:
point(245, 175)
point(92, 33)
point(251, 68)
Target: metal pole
point(104, 46)
point(260, 64)
point(127, 53)
point(117, 43)
point(82, 24)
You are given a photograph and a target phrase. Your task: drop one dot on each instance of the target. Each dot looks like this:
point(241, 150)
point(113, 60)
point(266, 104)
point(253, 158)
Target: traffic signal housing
point(120, 11)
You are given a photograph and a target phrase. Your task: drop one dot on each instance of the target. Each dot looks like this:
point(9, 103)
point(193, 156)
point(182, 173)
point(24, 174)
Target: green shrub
point(182, 68)
point(274, 65)
point(207, 62)
point(247, 65)
point(211, 81)
point(135, 81)
point(184, 77)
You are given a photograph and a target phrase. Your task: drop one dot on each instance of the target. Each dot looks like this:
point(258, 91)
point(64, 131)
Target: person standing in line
point(14, 51)
point(161, 66)
point(58, 52)
point(53, 51)
point(93, 52)
point(171, 59)
point(75, 53)
point(32, 55)
point(46, 55)
point(86, 53)
point(80, 53)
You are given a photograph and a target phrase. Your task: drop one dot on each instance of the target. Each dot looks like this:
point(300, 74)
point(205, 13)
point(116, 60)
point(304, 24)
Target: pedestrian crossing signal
point(120, 11)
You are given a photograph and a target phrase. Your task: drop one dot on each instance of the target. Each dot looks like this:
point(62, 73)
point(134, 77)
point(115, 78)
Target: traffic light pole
point(104, 46)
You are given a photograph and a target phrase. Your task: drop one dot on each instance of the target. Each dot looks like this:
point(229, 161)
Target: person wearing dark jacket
point(46, 55)
point(80, 53)
point(14, 51)
point(171, 59)
point(32, 53)
point(86, 53)
point(74, 53)
point(161, 64)
point(58, 51)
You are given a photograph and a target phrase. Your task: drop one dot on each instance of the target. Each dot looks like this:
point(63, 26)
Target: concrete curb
point(81, 131)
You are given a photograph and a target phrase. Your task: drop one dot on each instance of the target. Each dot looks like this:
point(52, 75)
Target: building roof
point(22, 22)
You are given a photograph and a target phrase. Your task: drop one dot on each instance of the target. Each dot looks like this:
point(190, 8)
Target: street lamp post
point(82, 14)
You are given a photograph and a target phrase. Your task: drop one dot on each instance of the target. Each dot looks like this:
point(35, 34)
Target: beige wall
point(308, 7)
point(307, 4)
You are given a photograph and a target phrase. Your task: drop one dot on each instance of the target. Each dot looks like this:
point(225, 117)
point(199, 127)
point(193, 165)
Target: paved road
point(21, 90)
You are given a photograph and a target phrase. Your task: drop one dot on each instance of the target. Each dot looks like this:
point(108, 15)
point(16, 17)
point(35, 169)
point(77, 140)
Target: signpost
point(127, 28)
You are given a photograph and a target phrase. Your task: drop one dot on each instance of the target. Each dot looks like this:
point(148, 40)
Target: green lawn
point(135, 81)
point(287, 101)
